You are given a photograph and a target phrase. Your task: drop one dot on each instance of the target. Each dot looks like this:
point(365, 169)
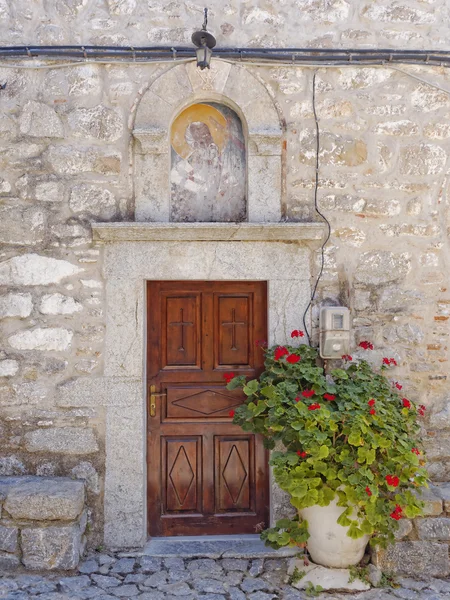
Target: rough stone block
point(15, 305)
point(45, 499)
point(33, 269)
point(51, 547)
point(70, 440)
point(48, 339)
point(375, 268)
point(8, 367)
point(99, 122)
point(22, 225)
point(93, 199)
point(40, 120)
point(432, 501)
point(434, 529)
point(58, 304)
point(443, 491)
point(328, 579)
point(417, 559)
point(422, 159)
point(8, 539)
point(8, 562)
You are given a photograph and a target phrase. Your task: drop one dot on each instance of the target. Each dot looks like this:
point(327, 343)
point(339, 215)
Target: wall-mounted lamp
point(204, 41)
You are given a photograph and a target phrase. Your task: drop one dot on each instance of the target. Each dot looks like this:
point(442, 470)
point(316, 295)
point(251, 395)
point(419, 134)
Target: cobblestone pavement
point(106, 577)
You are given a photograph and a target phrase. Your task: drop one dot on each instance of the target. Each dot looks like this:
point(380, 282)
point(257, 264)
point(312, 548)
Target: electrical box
point(334, 326)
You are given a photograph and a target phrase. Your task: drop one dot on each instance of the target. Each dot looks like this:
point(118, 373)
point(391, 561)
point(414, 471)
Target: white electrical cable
point(247, 62)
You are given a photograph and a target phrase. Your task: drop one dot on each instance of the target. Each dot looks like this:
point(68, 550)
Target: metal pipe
point(337, 56)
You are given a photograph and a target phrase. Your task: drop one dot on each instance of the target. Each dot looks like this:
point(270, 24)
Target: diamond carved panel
point(200, 402)
point(234, 474)
point(181, 475)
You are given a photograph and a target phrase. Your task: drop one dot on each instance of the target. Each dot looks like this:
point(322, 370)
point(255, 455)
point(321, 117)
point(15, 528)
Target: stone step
point(226, 546)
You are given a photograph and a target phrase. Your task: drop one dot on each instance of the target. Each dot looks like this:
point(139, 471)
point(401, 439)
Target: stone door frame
point(279, 254)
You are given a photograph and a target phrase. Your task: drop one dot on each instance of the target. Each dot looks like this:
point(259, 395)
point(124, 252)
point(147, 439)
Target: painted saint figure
point(208, 165)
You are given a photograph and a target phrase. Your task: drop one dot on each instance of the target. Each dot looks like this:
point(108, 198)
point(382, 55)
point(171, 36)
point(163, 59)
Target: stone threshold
point(178, 232)
point(224, 546)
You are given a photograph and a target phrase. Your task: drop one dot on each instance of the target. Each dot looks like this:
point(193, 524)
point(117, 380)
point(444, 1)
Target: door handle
point(153, 397)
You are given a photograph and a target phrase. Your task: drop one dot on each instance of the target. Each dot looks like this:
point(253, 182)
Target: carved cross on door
point(233, 323)
point(181, 323)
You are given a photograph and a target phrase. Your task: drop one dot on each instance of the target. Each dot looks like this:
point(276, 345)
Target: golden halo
point(203, 113)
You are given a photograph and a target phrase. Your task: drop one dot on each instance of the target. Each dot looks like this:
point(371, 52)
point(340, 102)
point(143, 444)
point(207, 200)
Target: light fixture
point(204, 41)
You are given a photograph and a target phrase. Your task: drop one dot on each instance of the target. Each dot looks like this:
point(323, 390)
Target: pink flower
point(389, 361)
point(421, 410)
point(397, 385)
point(231, 413)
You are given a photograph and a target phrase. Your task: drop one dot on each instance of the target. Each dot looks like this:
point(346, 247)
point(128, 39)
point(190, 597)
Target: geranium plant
point(349, 434)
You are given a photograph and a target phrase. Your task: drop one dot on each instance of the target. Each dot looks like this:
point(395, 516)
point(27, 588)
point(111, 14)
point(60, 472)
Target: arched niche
point(208, 174)
point(177, 89)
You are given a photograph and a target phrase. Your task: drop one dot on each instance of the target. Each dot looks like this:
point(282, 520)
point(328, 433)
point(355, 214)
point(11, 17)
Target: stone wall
point(43, 522)
point(66, 154)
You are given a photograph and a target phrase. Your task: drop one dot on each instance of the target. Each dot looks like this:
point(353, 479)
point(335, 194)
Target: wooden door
point(205, 475)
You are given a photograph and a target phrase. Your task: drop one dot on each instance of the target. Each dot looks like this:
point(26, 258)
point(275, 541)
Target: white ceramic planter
point(328, 544)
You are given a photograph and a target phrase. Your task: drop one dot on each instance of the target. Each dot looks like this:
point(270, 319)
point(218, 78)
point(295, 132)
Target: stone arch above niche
point(207, 165)
point(181, 86)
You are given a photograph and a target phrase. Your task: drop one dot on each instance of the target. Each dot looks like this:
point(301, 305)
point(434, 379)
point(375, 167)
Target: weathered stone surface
point(51, 547)
point(33, 269)
point(328, 579)
point(40, 120)
point(15, 305)
point(422, 159)
point(87, 472)
point(94, 200)
point(432, 501)
point(69, 440)
point(8, 539)
point(49, 191)
point(49, 339)
point(405, 527)
point(58, 304)
point(417, 559)
point(98, 122)
point(8, 367)
point(11, 465)
point(335, 150)
point(45, 499)
point(72, 160)
point(441, 419)
point(21, 225)
point(375, 268)
point(8, 562)
point(437, 445)
point(397, 128)
point(437, 529)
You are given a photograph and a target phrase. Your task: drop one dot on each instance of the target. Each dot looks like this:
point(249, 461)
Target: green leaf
point(251, 387)
point(354, 531)
point(268, 391)
point(355, 439)
point(323, 452)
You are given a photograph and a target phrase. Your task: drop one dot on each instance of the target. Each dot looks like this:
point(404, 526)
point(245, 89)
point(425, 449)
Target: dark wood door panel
point(205, 475)
point(205, 402)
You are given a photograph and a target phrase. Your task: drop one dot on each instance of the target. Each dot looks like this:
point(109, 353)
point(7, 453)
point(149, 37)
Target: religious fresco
point(208, 170)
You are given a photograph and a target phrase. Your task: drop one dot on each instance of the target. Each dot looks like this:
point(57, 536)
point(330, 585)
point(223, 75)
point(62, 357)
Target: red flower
point(315, 406)
point(421, 410)
point(397, 512)
point(329, 397)
point(280, 352)
point(297, 333)
point(392, 480)
point(297, 398)
point(231, 413)
point(397, 385)
point(406, 403)
point(368, 491)
point(229, 376)
point(292, 359)
point(301, 454)
point(366, 345)
point(346, 357)
point(308, 393)
point(415, 451)
point(372, 411)
point(389, 361)
point(371, 402)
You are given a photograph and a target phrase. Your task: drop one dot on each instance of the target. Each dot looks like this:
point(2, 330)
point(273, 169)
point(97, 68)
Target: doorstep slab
point(247, 546)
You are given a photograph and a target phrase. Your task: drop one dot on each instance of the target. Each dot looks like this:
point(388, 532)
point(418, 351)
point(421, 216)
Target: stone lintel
point(236, 232)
